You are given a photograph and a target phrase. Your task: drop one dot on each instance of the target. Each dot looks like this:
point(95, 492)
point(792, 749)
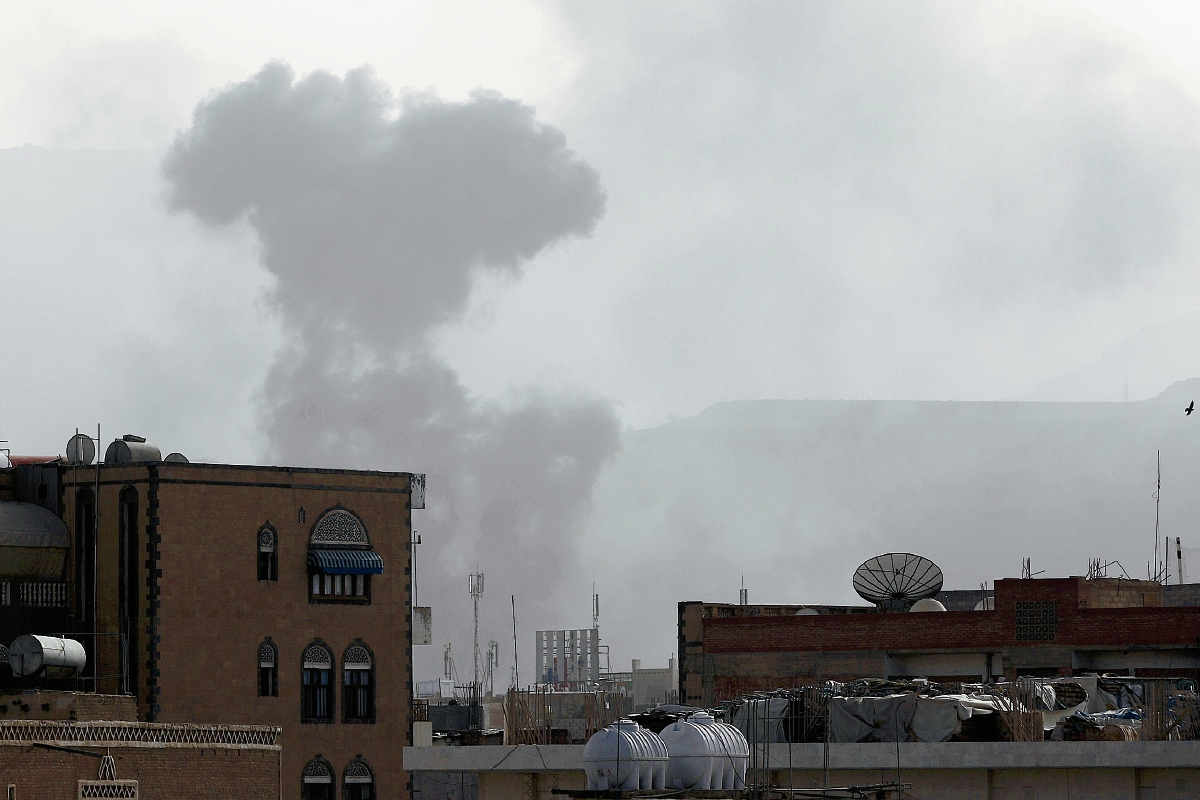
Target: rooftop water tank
point(46, 656)
point(927, 604)
point(625, 756)
point(130, 449)
point(705, 754)
point(33, 542)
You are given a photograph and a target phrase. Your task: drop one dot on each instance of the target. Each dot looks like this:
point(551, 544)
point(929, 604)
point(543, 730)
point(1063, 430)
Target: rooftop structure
point(1030, 627)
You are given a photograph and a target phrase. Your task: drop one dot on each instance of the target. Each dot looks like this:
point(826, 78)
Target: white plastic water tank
point(927, 604)
point(46, 656)
point(625, 756)
point(736, 752)
point(705, 754)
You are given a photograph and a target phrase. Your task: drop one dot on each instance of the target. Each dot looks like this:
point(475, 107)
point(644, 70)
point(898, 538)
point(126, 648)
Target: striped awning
point(346, 562)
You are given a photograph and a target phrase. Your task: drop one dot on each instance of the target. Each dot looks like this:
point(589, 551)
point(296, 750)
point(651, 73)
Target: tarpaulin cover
point(33, 542)
point(761, 719)
point(29, 525)
point(346, 562)
point(884, 719)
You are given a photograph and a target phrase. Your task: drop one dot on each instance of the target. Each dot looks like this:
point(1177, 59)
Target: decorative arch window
point(316, 689)
point(317, 781)
point(358, 683)
point(340, 559)
point(358, 781)
point(268, 555)
point(268, 669)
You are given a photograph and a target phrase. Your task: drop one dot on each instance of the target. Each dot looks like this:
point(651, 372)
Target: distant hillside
point(1148, 362)
point(795, 494)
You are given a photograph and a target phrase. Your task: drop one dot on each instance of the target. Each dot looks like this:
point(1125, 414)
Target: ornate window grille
point(316, 690)
point(268, 669)
point(268, 553)
point(339, 527)
point(358, 684)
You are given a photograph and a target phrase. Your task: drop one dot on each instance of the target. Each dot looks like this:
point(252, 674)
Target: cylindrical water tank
point(705, 754)
point(736, 751)
point(46, 656)
point(625, 756)
point(130, 449)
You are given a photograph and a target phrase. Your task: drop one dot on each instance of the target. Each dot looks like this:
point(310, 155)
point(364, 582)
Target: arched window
point(268, 557)
point(340, 559)
point(268, 669)
point(358, 683)
point(358, 782)
point(129, 589)
point(317, 781)
point(316, 691)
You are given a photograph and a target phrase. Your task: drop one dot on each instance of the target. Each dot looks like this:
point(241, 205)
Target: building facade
point(255, 596)
point(1040, 627)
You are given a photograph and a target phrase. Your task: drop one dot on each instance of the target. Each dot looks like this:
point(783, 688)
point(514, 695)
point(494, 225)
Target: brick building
point(75, 744)
point(249, 596)
point(1042, 627)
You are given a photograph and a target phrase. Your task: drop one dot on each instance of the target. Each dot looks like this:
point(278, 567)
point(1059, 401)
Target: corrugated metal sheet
point(346, 562)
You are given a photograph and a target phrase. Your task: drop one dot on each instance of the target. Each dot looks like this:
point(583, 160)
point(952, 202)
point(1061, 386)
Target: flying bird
point(1191, 407)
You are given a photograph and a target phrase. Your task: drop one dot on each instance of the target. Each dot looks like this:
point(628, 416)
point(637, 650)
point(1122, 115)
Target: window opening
point(340, 559)
point(317, 781)
point(358, 683)
point(268, 559)
point(268, 674)
point(358, 782)
point(316, 695)
point(129, 605)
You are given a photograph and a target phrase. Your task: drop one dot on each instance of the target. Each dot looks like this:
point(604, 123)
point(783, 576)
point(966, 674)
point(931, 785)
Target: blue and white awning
point(346, 562)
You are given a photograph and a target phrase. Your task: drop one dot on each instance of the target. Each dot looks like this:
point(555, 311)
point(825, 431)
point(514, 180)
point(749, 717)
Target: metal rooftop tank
point(130, 449)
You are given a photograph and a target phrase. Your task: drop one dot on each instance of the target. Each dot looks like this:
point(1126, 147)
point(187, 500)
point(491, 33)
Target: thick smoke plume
point(375, 217)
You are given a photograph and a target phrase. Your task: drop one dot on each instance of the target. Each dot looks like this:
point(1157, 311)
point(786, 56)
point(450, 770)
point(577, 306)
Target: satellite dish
point(81, 450)
point(897, 580)
point(176, 458)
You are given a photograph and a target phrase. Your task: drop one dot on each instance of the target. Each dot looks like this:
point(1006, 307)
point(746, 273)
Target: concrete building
point(651, 686)
point(1041, 627)
point(245, 595)
point(936, 771)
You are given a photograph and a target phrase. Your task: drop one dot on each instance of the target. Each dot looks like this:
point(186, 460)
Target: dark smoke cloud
point(374, 217)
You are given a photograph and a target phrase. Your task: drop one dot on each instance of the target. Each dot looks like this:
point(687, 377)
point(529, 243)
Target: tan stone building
point(57, 745)
point(247, 595)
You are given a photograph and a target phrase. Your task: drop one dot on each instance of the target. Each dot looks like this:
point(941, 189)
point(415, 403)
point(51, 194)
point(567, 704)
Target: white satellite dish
point(895, 581)
point(81, 450)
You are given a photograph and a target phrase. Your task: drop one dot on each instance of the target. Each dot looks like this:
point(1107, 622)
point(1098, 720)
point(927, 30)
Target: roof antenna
point(1157, 502)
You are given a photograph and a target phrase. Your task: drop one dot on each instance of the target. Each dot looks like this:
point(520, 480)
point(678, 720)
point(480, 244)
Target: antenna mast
point(1157, 502)
point(476, 593)
point(516, 676)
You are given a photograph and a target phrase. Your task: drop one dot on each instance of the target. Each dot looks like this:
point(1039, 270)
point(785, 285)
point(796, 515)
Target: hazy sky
point(699, 202)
